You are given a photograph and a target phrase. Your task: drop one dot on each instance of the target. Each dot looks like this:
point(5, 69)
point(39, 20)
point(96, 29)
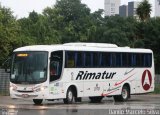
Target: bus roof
point(81, 47)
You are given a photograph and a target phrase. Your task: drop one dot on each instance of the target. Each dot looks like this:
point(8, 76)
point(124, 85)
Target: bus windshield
point(29, 67)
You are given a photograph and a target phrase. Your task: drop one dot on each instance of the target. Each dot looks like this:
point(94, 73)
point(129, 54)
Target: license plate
point(25, 95)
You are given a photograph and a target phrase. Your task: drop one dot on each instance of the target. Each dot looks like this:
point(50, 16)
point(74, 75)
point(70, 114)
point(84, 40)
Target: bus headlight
point(13, 87)
point(42, 88)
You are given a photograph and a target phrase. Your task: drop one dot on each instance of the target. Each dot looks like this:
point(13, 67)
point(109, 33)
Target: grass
point(4, 93)
point(157, 89)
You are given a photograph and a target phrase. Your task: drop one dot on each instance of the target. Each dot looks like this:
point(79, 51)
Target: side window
point(87, 58)
point(70, 59)
point(147, 60)
point(95, 59)
point(106, 59)
point(134, 60)
point(56, 61)
point(113, 59)
point(139, 60)
point(79, 59)
point(118, 60)
point(124, 59)
point(143, 63)
point(129, 59)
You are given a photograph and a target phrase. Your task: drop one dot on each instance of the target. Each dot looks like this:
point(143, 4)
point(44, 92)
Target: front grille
point(29, 96)
point(24, 91)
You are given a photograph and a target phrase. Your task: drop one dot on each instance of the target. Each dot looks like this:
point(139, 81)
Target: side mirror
point(7, 64)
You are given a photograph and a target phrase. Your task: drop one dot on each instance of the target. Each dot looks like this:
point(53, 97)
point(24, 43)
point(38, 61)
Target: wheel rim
point(124, 94)
point(70, 96)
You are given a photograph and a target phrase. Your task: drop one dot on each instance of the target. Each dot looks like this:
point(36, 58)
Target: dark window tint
point(95, 59)
point(113, 62)
point(134, 61)
point(139, 60)
point(87, 58)
point(106, 59)
point(56, 61)
point(118, 59)
point(79, 59)
point(129, 60)
point(147, 60)
point(70, 59)
point(124, 60)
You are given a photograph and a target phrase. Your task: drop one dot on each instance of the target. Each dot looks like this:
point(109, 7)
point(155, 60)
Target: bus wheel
point(125, 94)
point(37, 101)
point(96, 99)
point(69, 97)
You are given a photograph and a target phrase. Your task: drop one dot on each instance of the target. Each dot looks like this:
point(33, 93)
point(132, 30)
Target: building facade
point(111, 7)
point(132, 7)
point(123, 10)
point(157, 8)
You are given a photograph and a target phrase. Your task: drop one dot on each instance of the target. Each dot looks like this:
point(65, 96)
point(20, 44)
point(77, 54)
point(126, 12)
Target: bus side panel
point(69, 80)
point(145, 80)
point(88, 85)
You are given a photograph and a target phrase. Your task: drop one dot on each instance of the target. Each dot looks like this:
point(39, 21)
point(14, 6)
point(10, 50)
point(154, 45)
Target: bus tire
point(96, 99)
point(69, 97)
point(37, 101)
point(125, 94)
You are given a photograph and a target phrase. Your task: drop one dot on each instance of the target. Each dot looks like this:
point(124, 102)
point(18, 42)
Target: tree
point(152, 39)
point(117, 30)
point(144, 10)
point(37, 30)
point(9, 33)
point(70, 18)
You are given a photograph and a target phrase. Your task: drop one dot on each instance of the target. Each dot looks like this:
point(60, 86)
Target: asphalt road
point(147, 104)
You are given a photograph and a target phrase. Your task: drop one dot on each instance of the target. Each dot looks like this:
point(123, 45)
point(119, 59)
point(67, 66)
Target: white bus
point(75, 70)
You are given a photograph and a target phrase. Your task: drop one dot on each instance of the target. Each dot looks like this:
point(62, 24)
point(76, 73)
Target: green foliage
point(9, 31)
point(72, 21)
point(157, 89)
point(144, 10)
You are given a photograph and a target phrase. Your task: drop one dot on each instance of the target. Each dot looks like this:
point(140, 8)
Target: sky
point(21, 8)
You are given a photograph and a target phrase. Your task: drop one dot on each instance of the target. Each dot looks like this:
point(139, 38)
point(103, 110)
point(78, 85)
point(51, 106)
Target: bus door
point(55, 71)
